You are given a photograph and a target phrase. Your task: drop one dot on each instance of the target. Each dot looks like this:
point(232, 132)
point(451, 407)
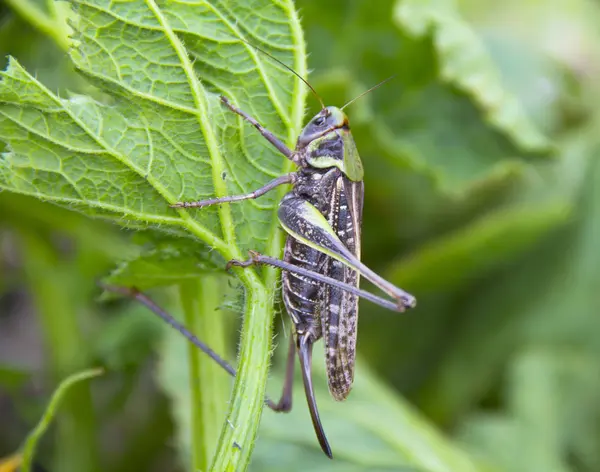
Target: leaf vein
point(199, 98)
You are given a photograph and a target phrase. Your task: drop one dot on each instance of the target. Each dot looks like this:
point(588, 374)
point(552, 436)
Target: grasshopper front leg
point(274, 140)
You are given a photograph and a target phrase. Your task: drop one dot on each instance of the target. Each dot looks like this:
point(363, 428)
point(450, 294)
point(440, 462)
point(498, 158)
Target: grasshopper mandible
point(322, 217)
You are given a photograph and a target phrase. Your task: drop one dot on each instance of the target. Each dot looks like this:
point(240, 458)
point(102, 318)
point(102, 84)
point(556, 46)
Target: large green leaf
point(164, 137)
point(494, 315)
point(158, 134)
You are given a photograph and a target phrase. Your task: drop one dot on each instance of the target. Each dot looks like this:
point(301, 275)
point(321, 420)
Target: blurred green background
point(482, 198)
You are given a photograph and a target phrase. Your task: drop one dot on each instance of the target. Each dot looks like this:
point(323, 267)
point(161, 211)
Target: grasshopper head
point(326, 142)
point(327, 120)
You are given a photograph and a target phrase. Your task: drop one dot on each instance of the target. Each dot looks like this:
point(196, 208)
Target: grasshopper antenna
point(288, 68)
point(368, 91)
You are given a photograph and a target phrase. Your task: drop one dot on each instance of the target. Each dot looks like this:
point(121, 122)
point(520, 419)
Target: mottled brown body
point(322, 216)
point(317, 309)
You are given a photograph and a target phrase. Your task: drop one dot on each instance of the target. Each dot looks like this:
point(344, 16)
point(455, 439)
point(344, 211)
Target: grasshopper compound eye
point(320, 121)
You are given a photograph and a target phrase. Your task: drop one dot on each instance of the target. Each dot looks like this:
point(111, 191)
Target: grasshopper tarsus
point(198, 204)
point(237, 263)
point(252, 260)
point(282, 406)
point(409, 301)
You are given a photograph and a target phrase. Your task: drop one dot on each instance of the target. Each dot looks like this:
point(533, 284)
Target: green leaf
point(465, 63)
point(547, 296)
point(160, 135)
point(177, 143)
point(33, 438)
point(166, 261)
point(432, 137)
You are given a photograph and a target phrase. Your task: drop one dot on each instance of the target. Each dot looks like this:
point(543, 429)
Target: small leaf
point(33, 438)
point(547, 296)
point(166, 261)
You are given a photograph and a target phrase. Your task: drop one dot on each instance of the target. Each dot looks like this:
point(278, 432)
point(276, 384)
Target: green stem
point(209, 384)
point(52, 27)
point(239, 432)
point(56, 288)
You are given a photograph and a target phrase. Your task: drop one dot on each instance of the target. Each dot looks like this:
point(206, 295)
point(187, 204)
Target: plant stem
point(209, 383)
point(52, 27)
point(238, 434)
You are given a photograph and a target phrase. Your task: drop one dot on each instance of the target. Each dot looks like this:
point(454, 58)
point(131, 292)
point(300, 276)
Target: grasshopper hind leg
point(305, 343)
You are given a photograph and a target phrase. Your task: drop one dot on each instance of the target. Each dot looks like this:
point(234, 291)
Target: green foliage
point(35, 435)
point(481, 178)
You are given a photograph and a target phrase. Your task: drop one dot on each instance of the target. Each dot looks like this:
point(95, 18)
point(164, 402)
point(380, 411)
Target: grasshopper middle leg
point(284, 179)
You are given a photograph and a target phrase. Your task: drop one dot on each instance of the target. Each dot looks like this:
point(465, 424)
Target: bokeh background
point(482, 199)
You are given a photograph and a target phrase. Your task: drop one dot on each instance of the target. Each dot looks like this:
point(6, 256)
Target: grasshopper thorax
point(326, 141)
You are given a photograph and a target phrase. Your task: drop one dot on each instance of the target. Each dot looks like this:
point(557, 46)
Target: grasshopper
point(322, 217)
